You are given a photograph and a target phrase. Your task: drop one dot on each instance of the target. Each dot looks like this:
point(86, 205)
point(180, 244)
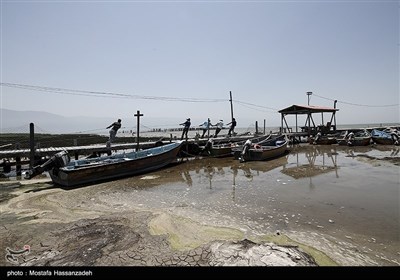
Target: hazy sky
point(268, 53)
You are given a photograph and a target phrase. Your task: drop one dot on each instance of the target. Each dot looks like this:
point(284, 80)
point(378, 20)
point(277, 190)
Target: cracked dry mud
point(116, 241)
point(128, 238)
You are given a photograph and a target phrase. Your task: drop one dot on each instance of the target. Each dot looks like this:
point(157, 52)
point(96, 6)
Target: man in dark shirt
point(232, 128)
point(113, 131)
point(186, 127)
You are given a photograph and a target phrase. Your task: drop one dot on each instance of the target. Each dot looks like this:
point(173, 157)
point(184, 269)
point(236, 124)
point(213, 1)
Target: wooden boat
point(265, 150)
point(322, 140)
point(85, 171)
point(383, 137)
point(217, 150)
point(226, 149)
point(359, 138)
point(237, 151)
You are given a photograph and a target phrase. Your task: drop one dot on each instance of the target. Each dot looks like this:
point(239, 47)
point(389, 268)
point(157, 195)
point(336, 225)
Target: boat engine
point(317, 138)
point(208, 146)
point(395, 136)
point(350, 137)
point(60, 159)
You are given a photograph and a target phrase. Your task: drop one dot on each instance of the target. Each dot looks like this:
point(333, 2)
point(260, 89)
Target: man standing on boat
point(113, 131)
point(205, 127)
point(232, 128)
point(219, 125)
point(186, 127)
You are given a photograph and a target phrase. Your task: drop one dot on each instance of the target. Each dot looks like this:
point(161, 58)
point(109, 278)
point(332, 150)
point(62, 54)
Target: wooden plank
point(102, 147)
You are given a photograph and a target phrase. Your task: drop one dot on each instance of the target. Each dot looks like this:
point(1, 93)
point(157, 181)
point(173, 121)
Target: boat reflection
point(394, 150)
point(216, 174)
point(312, 161)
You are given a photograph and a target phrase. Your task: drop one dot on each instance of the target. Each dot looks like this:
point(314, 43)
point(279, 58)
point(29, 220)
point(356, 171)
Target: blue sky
point(267, 53)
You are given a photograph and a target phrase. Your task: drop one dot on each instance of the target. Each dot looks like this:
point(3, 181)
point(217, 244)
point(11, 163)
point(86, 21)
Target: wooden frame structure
point(309, 110)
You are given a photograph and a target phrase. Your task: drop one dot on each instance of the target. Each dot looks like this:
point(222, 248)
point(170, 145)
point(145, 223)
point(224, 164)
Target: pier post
point(18, 166)
point(265, 121)
point(256, 127)
point(31, 146)
point(76, 153)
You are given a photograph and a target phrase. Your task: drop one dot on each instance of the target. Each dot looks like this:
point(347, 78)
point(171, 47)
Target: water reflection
point(311, 162)
point(211, 168)
point(219, 174)
point(322, 188)
point(187, 177)
point(395, 152)
point(352, 151)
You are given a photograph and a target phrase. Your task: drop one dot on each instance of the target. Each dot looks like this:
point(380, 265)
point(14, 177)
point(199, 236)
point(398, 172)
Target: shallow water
point(348, 193)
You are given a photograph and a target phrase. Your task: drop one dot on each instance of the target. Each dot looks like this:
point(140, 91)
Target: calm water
point(348, 193)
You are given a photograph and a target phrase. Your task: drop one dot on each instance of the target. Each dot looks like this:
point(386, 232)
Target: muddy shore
point(178, 217)
point(73, 228)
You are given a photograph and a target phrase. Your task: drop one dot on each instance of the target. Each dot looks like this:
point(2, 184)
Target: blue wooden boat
point(68, 173)
point(383, 137)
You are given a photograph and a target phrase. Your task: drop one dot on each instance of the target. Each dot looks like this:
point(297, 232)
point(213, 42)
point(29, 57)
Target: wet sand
point(318, 205)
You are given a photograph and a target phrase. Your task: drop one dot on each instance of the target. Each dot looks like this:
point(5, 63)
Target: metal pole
point(309, 93)
point(308, 97)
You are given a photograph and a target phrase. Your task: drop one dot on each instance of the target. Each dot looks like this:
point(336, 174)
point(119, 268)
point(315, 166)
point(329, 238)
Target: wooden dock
point(100, 148)
point(19, 157)
point(74, 150)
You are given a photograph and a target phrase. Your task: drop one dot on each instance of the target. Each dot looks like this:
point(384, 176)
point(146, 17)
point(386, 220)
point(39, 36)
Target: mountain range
point(12, 121)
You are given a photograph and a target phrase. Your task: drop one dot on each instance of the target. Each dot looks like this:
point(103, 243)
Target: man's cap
point(221, 120)
point(188, 119)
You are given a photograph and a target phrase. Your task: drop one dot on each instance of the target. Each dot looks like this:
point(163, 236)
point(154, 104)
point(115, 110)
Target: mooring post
point(76, 152)
point(18, 166)
point(31, 146)
point(256, 127)
point(265, 122)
